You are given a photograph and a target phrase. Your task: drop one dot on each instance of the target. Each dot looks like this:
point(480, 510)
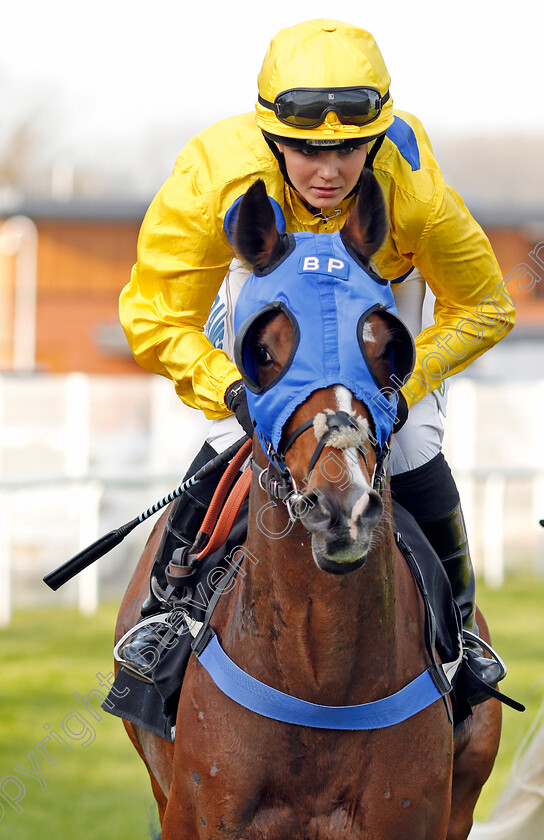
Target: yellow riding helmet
point(324, 80)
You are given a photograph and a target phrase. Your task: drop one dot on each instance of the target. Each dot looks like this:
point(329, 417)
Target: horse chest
point(347, 820)
point(261, 780)
point(375, 816)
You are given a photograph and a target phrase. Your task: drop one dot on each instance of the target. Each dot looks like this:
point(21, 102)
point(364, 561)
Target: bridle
point(276, 479)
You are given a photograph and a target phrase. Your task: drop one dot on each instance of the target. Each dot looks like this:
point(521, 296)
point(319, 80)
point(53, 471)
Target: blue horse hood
point(327, 295)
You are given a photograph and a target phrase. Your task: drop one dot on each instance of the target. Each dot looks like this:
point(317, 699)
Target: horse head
point(322, 353)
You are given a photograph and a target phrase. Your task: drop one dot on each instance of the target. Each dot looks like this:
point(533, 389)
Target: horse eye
point(262, 356)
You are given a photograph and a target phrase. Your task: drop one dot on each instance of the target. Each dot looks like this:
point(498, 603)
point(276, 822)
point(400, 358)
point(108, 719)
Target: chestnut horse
point(330, 614)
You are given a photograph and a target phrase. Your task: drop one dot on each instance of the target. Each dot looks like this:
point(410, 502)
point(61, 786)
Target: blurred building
point(518, 242)
point(83, 254)
point(80, 254)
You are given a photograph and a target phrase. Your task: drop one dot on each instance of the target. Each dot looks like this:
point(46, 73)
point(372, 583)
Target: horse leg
point(475, 751)
point(157, 755)
point(155, 752)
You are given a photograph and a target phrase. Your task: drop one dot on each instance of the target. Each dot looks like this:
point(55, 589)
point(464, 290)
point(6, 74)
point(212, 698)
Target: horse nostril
point(365, 514)
point(367, 509)
point(314, 511)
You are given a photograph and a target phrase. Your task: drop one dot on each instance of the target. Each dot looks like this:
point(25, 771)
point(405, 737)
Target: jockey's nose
point(328, 166)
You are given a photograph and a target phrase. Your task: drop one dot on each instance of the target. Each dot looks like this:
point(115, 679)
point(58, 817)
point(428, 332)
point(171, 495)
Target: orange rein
point(222, 514)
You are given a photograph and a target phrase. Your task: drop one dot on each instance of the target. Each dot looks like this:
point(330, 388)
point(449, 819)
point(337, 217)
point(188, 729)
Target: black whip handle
point(102, 545)
point(88, 555)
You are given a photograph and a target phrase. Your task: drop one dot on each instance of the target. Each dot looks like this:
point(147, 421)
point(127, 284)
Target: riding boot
point(184, 520)
point(430, 494)
point(448, 537)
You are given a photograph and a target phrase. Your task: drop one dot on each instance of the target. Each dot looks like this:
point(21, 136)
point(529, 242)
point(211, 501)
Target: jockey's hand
point(236, 401)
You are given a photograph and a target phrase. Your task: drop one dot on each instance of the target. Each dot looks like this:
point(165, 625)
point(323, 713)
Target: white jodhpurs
point(420, 439)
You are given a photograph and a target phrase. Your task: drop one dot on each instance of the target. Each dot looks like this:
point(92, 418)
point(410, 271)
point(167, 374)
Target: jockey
point(324, 112)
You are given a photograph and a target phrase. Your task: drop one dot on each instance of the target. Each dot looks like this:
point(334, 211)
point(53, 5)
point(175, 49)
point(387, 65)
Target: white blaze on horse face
point(368, 333)
point(343, 403)
point(356, 512)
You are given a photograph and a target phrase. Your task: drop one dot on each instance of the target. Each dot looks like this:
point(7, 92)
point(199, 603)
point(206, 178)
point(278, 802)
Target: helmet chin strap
point(281, 160)
point(371, 156)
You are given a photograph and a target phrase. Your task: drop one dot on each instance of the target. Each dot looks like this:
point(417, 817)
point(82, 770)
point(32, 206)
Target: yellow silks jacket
point(184, 254)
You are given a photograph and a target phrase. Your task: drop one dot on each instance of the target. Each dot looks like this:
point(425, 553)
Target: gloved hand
point(236, 401)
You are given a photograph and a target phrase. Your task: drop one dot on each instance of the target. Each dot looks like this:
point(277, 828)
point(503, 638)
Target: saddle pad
point(154, 707)
point(139, 703)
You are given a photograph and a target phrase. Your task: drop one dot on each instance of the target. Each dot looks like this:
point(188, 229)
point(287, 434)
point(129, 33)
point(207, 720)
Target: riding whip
point(101, 546)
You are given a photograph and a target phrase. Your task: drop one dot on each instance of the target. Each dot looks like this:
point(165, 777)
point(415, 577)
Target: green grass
point(101, 791)
point(515, 615)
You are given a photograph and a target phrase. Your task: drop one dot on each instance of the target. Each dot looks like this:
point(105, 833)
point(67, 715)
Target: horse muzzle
point(341, 525)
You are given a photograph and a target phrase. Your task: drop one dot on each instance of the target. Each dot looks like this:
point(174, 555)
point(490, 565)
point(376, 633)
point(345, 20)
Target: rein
point(339, 430)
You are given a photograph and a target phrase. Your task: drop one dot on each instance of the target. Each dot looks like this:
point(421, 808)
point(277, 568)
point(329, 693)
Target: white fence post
point(5, 559)
point(538, 514)
point(2, 422)
point(462, 426)
point(493, 531)
point(538, 487)
point(77, 425)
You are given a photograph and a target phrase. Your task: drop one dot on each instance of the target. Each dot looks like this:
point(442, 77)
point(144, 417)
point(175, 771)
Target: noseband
point(340, 430)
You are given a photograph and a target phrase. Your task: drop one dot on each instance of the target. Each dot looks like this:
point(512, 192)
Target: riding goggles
point(308, 107)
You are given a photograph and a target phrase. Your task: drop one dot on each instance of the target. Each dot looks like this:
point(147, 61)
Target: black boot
point(430, 494)
point(448, 537)
point(184, 520)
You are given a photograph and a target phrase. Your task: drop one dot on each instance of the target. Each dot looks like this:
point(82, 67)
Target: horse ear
point(366, 226)
point(256, 238)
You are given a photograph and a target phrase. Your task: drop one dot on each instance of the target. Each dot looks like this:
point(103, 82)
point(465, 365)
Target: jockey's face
point(324, 177)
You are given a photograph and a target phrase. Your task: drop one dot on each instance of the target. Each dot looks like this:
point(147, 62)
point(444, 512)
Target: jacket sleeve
point(472, 311)
point(183, 256)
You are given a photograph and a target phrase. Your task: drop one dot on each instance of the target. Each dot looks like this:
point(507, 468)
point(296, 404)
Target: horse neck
point(340, 626)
